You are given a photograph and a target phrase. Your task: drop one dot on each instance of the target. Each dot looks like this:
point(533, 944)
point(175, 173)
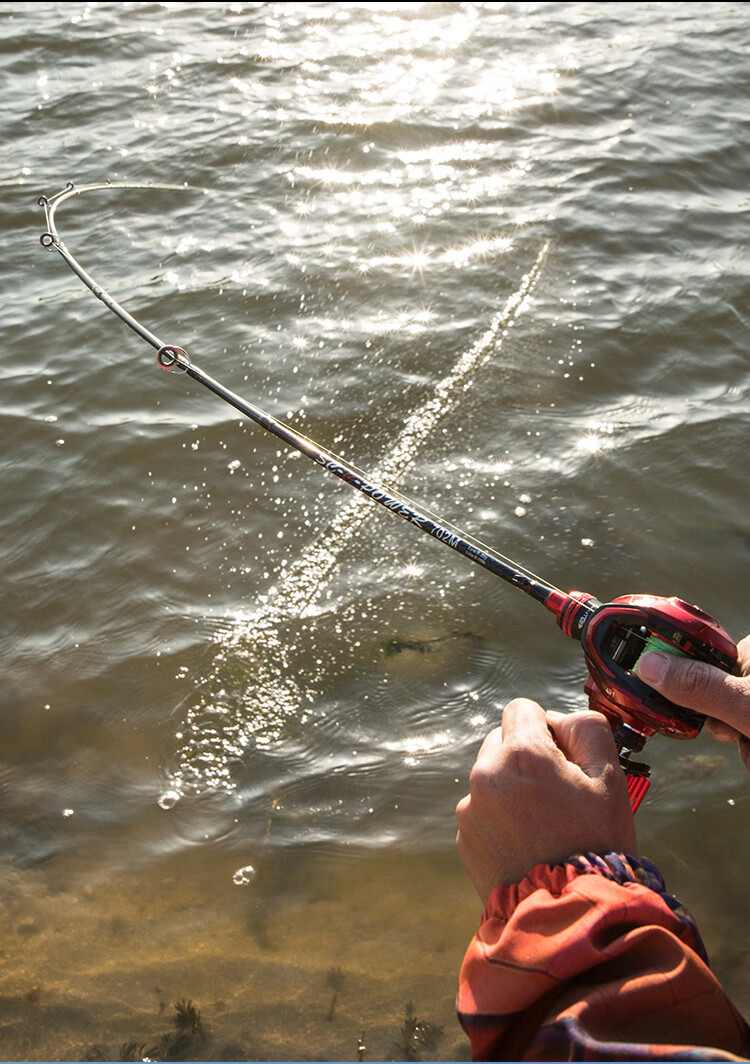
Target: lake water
point(239, 705)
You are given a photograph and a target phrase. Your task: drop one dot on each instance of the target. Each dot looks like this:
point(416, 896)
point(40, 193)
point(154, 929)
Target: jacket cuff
point(620, 868)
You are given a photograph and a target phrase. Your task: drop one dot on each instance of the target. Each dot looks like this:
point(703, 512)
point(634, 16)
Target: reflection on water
point(218, 730)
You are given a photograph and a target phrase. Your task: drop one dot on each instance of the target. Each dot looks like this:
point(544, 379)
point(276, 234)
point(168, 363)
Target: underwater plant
point(179, 1044)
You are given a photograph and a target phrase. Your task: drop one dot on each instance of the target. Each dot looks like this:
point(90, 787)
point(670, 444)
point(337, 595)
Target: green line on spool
point(655, 643)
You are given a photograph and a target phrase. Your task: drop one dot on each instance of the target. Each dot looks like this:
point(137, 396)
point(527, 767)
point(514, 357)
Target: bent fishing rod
point(613, 635)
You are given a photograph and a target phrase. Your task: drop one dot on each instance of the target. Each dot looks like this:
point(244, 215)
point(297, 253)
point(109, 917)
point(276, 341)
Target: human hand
point(533, 800)
point(723, 698)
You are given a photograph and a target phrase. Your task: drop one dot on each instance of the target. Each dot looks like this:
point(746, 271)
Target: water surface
point(495, 251)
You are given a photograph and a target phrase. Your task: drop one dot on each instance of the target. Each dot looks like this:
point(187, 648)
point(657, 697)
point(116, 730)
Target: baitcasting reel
point(613, 637)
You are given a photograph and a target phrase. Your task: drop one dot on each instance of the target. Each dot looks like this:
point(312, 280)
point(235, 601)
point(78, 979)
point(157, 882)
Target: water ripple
point(221, 727)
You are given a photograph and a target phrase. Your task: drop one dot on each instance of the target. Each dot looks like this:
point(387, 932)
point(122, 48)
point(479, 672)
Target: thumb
point(700, 686)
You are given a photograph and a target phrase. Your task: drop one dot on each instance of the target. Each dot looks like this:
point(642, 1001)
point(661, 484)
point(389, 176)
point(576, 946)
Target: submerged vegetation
point(417, 1036)
point(425, 646)
point(335, 980)
point(180, 1044)
point(187, 1041)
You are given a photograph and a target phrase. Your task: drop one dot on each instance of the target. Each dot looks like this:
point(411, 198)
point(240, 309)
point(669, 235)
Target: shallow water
point(495, 251)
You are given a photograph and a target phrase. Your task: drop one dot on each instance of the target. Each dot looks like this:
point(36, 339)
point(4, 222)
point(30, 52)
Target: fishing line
point(52, 241)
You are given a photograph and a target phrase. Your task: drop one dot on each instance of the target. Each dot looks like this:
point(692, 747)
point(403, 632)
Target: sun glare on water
point(383, 214)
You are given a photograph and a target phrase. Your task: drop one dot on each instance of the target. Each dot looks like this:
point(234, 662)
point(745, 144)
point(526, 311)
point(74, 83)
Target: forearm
point(593, 960)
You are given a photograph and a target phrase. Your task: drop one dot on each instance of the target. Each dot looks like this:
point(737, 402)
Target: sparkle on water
point(221, 725)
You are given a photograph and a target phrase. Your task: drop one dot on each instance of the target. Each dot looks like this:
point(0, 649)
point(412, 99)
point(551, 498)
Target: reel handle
point(627, 741)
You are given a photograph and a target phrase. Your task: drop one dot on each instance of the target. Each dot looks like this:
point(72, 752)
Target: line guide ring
point(173, 359)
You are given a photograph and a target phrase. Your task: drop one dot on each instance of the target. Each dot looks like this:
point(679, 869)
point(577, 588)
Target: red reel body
point(613, 636)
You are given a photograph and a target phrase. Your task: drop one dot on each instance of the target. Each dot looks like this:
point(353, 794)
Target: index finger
point(586, 739)
point(489, 751)
point(525, 722)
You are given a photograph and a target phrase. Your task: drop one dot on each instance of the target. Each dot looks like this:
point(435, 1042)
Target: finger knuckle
point(588, 722)
point(480, 780)
point(524, 762)
point(614, 781)
point(462, 809)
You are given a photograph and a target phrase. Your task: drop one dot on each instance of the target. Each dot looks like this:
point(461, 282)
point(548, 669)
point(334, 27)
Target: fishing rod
point(613, 635)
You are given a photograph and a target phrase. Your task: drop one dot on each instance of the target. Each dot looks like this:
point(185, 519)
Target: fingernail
point(652, 667)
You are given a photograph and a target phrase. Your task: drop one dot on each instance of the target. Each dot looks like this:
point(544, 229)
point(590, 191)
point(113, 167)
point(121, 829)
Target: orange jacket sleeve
point(593, 960)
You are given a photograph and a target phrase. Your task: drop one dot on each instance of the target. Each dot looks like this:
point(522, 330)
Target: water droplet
point(168, 800)
point(243, 876)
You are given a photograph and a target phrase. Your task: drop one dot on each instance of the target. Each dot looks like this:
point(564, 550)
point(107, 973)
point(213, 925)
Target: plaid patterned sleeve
point(594, 960)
